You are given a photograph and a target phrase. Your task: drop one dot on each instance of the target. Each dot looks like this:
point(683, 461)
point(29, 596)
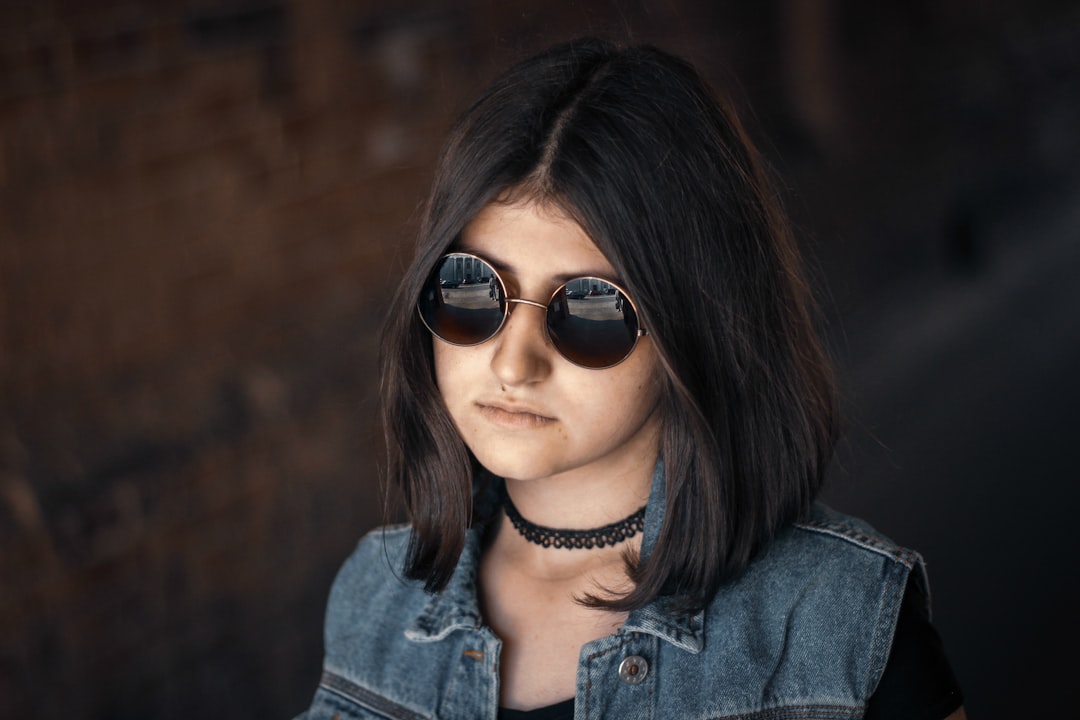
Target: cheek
point(647, 375)
point(438, 353)
point(446, 373)
point(650, 385)
point(648, 400)
point(449, 363)
point(452, 370)
point(635, 390)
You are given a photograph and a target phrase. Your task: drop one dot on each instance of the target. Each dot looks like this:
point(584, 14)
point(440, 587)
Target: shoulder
point(380, 551)
point(827, 555)
point(378, 557)
point(851, 534)
point(371, 584)
point(838, 545)
point(822, 597)
point(849, 549)
point(827, 539)
point(840, 556)
point(375, 637)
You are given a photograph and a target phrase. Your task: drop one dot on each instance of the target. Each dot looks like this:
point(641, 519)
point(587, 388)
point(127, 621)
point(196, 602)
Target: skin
point(576, 446)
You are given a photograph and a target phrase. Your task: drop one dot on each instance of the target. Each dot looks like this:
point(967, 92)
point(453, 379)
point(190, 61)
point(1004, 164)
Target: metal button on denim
point(633, 669)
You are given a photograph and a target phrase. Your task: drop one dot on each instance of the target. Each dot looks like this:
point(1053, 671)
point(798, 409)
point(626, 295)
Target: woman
point(609, 416)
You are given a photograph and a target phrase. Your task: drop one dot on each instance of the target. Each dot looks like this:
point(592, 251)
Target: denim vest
point(804, 633)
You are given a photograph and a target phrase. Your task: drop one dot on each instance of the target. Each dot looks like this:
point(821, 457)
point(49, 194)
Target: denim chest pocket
point(340, 699)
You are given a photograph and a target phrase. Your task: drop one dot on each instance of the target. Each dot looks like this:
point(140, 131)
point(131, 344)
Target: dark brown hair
point(633, 145)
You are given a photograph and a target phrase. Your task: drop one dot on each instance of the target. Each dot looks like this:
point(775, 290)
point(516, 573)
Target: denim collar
point(457, 608)
point(658, 617)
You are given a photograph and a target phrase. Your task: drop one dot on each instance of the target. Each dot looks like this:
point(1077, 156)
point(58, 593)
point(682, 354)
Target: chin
point(517, 466)
point(512, 470)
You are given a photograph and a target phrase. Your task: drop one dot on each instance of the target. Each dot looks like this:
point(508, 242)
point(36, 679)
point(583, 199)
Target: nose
point(523, 353)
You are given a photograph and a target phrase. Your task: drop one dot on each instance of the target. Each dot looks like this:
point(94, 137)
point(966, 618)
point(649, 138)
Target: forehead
point(533, 241)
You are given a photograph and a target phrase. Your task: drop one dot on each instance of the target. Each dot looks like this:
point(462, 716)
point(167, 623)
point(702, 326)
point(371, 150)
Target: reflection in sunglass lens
point(463, 301)
point(591, 322)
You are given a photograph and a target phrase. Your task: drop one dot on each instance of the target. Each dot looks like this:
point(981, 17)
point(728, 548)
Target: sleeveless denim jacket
point(803, 634)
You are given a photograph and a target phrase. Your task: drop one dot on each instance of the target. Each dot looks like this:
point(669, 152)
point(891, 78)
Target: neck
point(583, 500)
point(571, 503)
point(581, 567)
point(572, 539)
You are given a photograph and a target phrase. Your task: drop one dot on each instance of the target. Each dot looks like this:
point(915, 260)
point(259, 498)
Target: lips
point(513, 416)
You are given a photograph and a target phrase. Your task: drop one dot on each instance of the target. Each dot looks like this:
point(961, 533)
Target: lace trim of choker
point(611, 534)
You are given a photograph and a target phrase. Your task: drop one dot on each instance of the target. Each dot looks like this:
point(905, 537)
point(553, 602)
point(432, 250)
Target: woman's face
point(524, 410)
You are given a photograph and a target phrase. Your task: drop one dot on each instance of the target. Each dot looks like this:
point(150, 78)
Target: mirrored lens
point(463, 301)
point(592, 323)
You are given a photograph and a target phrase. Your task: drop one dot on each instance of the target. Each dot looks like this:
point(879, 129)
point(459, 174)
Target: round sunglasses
point(591, 321)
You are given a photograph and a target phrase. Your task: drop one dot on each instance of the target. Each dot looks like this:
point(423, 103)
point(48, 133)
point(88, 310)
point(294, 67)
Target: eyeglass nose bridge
point(641, 332)
point(523, 301)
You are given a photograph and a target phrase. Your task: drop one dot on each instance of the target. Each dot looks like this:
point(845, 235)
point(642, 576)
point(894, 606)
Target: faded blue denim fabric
point(804, 634)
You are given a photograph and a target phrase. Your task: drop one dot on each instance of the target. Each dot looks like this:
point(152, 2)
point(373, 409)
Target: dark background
point(203, 207)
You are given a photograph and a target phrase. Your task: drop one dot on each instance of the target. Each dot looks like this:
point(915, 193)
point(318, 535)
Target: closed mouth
point(514, 416)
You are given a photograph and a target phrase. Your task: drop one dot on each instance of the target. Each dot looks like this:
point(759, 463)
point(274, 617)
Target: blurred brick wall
point(202, 209)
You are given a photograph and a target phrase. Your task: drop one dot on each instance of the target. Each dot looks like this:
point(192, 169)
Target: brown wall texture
point(203, 206)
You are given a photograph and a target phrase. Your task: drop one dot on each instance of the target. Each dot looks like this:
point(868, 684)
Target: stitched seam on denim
point(801, 712)
point(588, 681)
point(390, 529)
point(436, 629)
point(881, 658)
point(676, 630)
point(363, 696)
point(655, 668)
point(670, 632)
point(895, 552)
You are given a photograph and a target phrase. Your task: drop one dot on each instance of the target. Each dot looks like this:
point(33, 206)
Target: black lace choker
point(612, 534)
